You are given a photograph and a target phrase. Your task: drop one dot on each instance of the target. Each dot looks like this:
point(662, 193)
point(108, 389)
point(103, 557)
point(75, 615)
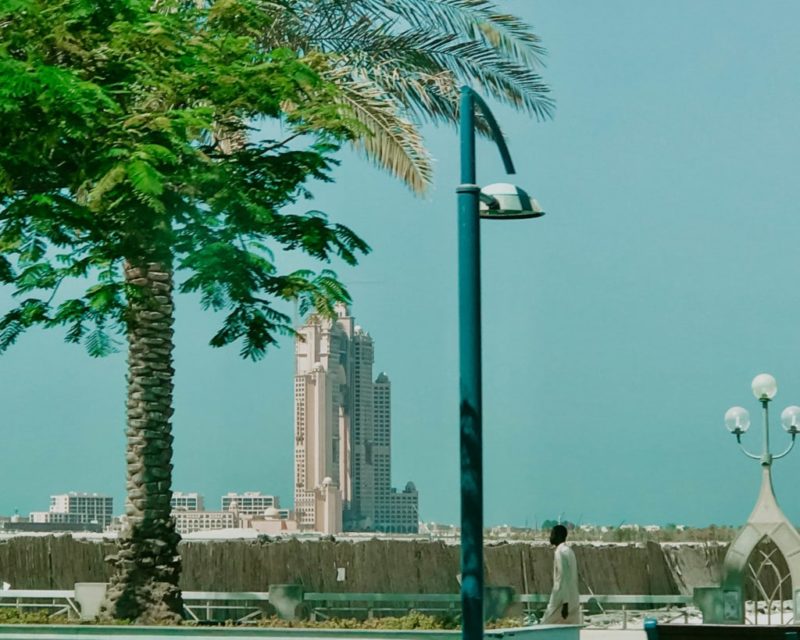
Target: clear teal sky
point(618, 328)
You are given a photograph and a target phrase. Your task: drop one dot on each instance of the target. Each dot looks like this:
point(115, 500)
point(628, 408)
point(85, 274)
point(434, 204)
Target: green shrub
point(40, 616)
point(413, 620)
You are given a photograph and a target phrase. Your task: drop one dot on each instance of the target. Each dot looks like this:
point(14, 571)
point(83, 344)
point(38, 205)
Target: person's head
point(558, 534)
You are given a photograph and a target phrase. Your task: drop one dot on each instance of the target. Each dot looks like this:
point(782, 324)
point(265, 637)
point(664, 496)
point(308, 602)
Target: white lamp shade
point(764, 387)
point(508, 201)
point(737, 419)
point(790, 418)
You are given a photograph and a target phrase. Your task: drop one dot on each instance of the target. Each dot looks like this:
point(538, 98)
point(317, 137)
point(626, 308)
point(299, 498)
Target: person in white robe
point(564, 606)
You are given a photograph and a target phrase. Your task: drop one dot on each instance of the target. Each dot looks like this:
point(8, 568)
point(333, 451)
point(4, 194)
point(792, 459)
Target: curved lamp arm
point(497, 135)
point(787, 450)
point(746, 452)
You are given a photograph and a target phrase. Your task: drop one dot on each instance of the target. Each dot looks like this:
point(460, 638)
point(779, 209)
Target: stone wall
point(57, 562)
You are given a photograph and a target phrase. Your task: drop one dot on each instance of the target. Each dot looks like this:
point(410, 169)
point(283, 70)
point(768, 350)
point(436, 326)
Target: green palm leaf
point(391, 141)
point(402, 61)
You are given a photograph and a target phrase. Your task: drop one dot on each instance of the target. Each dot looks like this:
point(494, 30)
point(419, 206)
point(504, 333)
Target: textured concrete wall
point(57, 562)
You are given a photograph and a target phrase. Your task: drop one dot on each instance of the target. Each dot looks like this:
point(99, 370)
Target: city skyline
point(618, 328)
point(88, 505)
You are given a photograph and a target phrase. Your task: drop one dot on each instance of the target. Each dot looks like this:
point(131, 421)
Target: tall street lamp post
point(501, 201)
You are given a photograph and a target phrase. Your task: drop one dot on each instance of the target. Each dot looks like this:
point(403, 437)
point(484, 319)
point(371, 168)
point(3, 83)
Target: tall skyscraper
point(322, 422)
point(382, 448)
point(343, 433)
point(360, 512)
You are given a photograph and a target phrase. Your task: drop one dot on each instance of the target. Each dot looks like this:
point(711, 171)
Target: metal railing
point(62, 602)
point(248, 606)
point(243, 607)
point(328, 605)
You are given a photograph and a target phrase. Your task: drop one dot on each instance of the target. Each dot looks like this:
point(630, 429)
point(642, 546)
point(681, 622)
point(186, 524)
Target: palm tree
point(399, 63)
point(146, 173)
point(114, 164)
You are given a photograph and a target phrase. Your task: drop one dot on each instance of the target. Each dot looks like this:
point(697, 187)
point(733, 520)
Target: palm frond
point(426, 96)
point(401, 63)
point(505, 80)
point(434, 53)
point(404, 59)
point(391, 141)
point(474, 20)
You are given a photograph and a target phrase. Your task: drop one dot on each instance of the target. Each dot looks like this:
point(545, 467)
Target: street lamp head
point(504, 201)
point(764, 387)
point(737, 419)
point(790, 419)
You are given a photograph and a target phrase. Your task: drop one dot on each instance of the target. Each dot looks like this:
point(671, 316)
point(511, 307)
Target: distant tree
point(126, 158)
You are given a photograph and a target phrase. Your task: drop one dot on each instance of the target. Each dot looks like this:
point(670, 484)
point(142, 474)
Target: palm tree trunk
point(144, 587)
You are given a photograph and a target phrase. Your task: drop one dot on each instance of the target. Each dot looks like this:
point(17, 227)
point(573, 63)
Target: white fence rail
point(248, 606)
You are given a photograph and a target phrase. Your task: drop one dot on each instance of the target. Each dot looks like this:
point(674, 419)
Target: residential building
point(50, 527)
point(47, 517)
point(77, 508)
point(192, 501)
point(250, 502)
point(403, 511)
point(191, 521)
point(343, 433)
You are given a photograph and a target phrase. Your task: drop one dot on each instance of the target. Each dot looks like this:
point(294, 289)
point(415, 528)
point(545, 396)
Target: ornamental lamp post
point(726, 603)
point(737, 420)
point(498, 202)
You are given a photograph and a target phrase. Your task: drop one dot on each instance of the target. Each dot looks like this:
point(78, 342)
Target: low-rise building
point(272, 522)
point(192, 501)
point(190, 521)
point(250, 502)
point(50, 527)
point(402, 515)
point(77, 508)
